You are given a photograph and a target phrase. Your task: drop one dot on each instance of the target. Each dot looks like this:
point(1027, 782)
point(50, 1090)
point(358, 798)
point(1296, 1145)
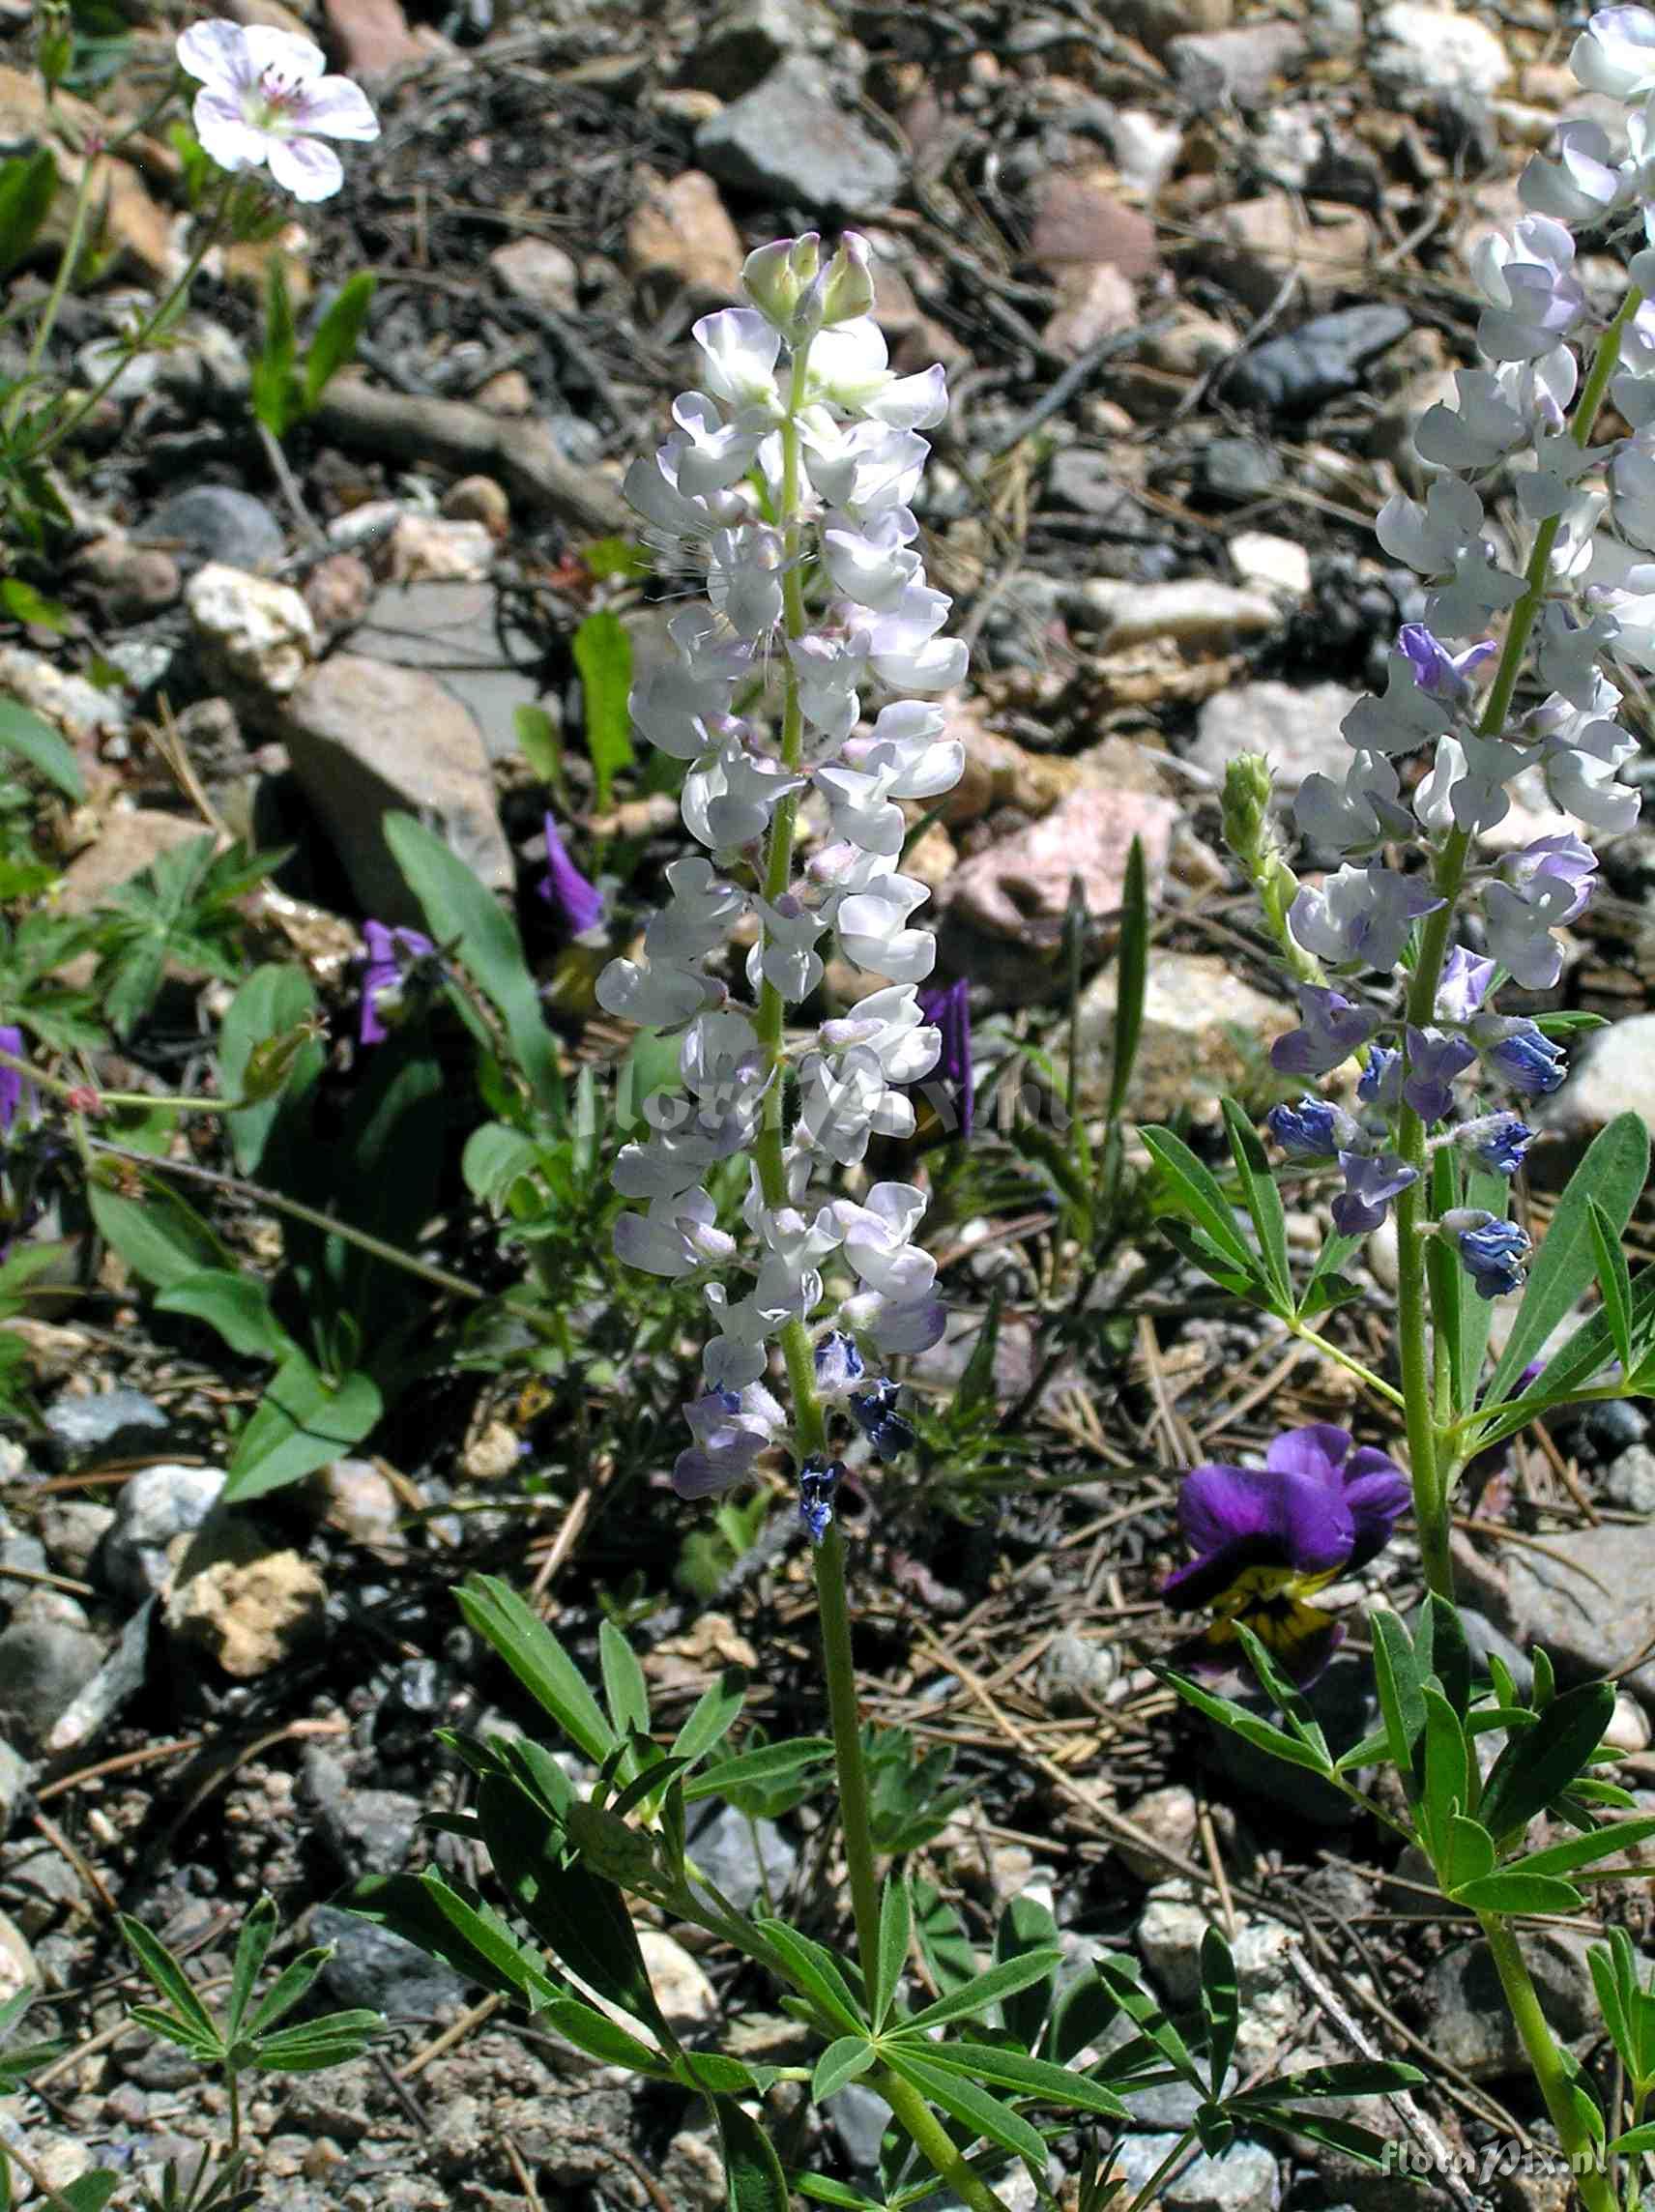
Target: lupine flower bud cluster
point(1434, 756)
point(810, 666)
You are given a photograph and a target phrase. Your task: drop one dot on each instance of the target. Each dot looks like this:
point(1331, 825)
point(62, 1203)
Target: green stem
point(1434, 1467)
point(935, 2144)
point(844, 1718)
point(1347, 1361)
point(233, 2083)
point(1550, 2068)
point(62, 1089)
point(66, 268)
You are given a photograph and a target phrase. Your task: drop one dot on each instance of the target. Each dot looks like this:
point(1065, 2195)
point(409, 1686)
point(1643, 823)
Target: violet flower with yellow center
point(1267, 1539)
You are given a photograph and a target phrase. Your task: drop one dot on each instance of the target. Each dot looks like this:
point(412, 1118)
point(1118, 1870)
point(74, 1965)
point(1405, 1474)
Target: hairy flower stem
point(1550, 2068)
point(935, 2144)
point(1430, 1456)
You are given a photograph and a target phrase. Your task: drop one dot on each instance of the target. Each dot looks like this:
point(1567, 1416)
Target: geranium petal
point(225, 134)
point(295, 60)
point(217, 53)
point(306, 168)
point(338, 108)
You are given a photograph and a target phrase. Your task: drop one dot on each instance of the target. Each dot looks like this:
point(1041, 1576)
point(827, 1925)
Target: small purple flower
point(1463, 985)
point(1332, 1027)
point(839, 1365)
point(10, 1078)
point(1380, 1081)
point(390, 953)
point(1311, 1130)
point(1520, 1053)
point(874, 1412)
point(1554, 862)
point(1266, 1538)
point(1372, 1180)
point(1446, 674)
point(731, 1428)
point(1434, 1060)
point(580, 903)
point(817, 1480)
point(949, 1006)
point(1492, 1251)
point(1499, 1141)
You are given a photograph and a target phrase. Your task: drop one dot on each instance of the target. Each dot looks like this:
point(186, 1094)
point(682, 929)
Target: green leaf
point(815, 1972)
point(895, 1928)
point(37, 742)
point(1508, 1891)
point(1356, 2143)
point(771, 1762)
point(752, 2171)
point(1249, 1725)
point(1469, 1856)
point(1287, 1696)
point(335, 343)
point(90, 2191)
point(291, 1987)
point(604, 656)
point(965, 2100)
point(821, 2190)
point(541, 745)
point(1447, 1780)
point(1613, 1173)
point(944, 1942)
point(159, 1237)
point(253, 1947)
point(28, 185)
point(171, 1981)
point(540, 1662)
point(474, 1938)
point(1396, 1683)
point(842, 2061)
point(1263, 1200)
point(1615, 1282)
point(1345, 2078)
point(1118, 1976)
point(1131, 977)
point(1581, 1850)
point(272, 396)
point(973, 2001)
point(1635, 2141)
point(315, 2045)
point(460, 912)
point(271, 1003)
point(1220, 2004)
point(601, 2037)
point(1537, 1766)
point(1197, 1195)
point(1026, 1925)
point(237, 1306)
point(624, 1689)
point(1065, 2087)
point(205, 2049)
point(301, 1423)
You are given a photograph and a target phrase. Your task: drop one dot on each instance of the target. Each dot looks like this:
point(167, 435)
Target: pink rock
point(1094, 303)
point(1020, 888)
point(370, 36)
point(1081, 218)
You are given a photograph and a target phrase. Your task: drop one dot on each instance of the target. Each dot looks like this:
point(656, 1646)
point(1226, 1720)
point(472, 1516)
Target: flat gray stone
point(1297, 731)
point(791, 140)
point(454, 631)
point(1470, 2026)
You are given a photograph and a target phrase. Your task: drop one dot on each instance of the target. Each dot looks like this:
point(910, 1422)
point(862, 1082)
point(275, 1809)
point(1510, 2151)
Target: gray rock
point(1292, 374)
point(372, 1968)
point(43, 1665)
point(159, 1506)
point(745, 41)
point(73, 1529)
point(1483, 1637)
point(1631, 1480)
point(1609, 1075)
point(1075, 1675)
point(368, 1831)
point(790, 140)
point(215, 522)
point(859, 2119)
point(1296, 730)
point(724, 1849)
point(459, 631)
point(16, 1777)
point(1588, 1598)
point(1421, 48)
point(1607, 1430)
point(1470, 2025)
point(1240, 65)
point(1342, 1701)
point(1243, 2178)
point(1239, 468)
point(119, 1678)
point(100, 1423)
point(367, 739)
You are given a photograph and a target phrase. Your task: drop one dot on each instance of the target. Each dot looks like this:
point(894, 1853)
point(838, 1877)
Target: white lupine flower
point(1432, 538)
point(829, 670)
point(1542, 390)
point(890, 1024)
point(1549, 488)
point(1534, 296)
point(894, 1328)
point(1519, 931)
point(1358, 814)
point(678, 712)
point(1406, 718)
point(677, 1236)
point(872, 567)
point(700, 915)
point(1582, 774)
point(870, 926)
point(1478, 590)
point(1632, 479)
point(1568, 653)
point(876, 1233)
point(264, 102)
point(731, 795)
point(740, 351)
point(905, 648)
point(862, 467)
point(745, 578)
point(1467, 787)
point(1581, 184)
point(654, 994)
point(710, 453)
point(1482, 427)
point(1359, 918)
point(844, 1101)
point(787, 957)
point(864, 813)
point(1615, 53)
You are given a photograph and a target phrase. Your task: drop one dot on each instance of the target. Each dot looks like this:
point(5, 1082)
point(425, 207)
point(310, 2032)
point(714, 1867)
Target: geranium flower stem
point(1430, 1456)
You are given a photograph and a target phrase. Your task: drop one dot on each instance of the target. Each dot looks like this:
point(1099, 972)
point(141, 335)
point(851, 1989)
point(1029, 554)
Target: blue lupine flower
point(1499, 1141)
point(1380, 1081)
point(1520, 1053)
point(839, 1365)
point(731, 1428)
point(949, 1006)
point(580, 903)
point(1266, 1538)
point(1463, 986)
point(817, 1480)
point(390, 953)
point(1446, 674)
point(1332, 1027)
point(1372, 1180)
point(874, 1411)
point(1434, 1060)
point(1492, 1251)
point(1311, 1130)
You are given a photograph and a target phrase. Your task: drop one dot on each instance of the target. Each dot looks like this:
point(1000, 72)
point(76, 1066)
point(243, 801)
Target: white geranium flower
point(266, 102)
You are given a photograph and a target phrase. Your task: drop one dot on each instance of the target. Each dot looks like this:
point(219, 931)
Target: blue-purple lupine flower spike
point(1380, 1081)
point(839, 1365)
point(1311, 1130)
point(1500, 1141)
point(1434, 1060)
point(1332, 1028)
point(10, 1078)
point(874, 1412)
point(1464, 984)
point(1492, 1251)
point(1372, 1180)
point(817, 1480)
point(580, 903)
point(1521, 1054)
point(949, 1007)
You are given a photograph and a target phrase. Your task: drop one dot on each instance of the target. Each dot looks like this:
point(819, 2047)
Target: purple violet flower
point(580, 903)
point(1463, 986)
point(1446, 674)
point(949, 1006)
point(1434, 1060)
point(390, 953)
point(1332, 1027)
point(1372, 1180)
point(1520, 1053)
point(10, 1078)
point(1491, 1250)
point(1266, 1538)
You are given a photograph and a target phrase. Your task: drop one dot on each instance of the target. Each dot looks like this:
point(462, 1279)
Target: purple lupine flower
point(1266, 1538)
point(817, 1480)
point(1492, 1251)
point(1372, 1180)
point(1380, 1081)
point(1520, 1053)
point(1498, 1140)
point(1332, 1028)
point(839, 1365)
point(874, 1412)
point(1434, 1060)
point(580, 903)
point(731, 1428)
point(1564, 860)
point(1463, 986)
point(390, 953)
point(949, 1007)
point(10, 1078)
point(1446, 674)
point(1360, 918)
point(1311, 1130)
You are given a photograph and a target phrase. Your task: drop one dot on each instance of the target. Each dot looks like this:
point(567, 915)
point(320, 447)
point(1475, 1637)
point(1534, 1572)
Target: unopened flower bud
point(54, 42)
point(849, 289)
point(775, 277)
point(270, 1061)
